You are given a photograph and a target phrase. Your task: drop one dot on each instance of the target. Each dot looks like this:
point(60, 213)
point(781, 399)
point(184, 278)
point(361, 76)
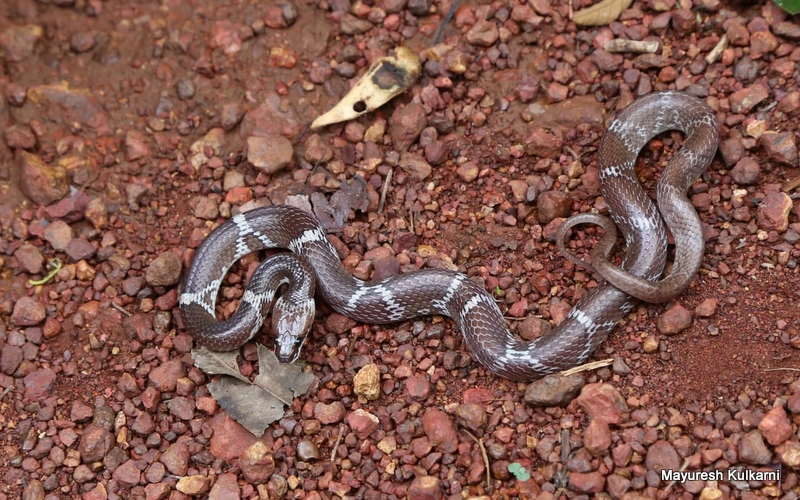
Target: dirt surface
point(132, 129)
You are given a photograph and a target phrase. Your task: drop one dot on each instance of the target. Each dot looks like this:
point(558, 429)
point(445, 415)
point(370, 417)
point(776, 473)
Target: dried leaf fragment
point(285, 381)
point(602, 13)
point(218, 363)
point(386, 78)
point(333, 214)
point(248, 404)
point(256, 404)
point(634, 46)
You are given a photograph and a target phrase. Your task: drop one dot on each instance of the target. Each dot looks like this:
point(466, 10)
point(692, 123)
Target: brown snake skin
point(435, 291)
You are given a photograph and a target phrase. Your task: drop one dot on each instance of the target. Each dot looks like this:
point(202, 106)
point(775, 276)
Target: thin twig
point(385, 189)
point(588, 366)
point(565, 446)
point(485, 459)
point(782, 369)
point(717, 51)
point(791, 184)
point(352, 344)
point(769, 106)
point(6, 391)
point(54, 266)
point(446, 21)
point(683, 468)
point(336, 444)
point(121, 309)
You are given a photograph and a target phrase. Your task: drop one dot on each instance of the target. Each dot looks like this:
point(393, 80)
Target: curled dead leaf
point(386, 78)
point(601, 13)
point(333, 214)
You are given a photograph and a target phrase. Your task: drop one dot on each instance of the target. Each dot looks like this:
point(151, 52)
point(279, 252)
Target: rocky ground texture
point(131, 129)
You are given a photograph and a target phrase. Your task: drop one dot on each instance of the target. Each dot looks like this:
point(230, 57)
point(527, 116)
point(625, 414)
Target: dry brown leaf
point(602, 13)
point(284, 381)
point(385, 79)
point(257, 404)
point(218, 363)
point(246, 403)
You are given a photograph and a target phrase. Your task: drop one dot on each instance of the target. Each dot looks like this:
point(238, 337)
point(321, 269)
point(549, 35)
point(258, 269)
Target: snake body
point(436, 291)
point(292, 314)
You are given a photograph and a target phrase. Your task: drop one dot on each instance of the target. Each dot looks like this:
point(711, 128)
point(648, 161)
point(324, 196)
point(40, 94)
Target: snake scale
point(436, 291)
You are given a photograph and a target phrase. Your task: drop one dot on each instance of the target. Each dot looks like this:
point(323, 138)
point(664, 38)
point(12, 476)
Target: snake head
point(291, 322)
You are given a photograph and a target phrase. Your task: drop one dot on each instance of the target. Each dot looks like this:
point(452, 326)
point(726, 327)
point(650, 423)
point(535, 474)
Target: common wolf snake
point(436, 291)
